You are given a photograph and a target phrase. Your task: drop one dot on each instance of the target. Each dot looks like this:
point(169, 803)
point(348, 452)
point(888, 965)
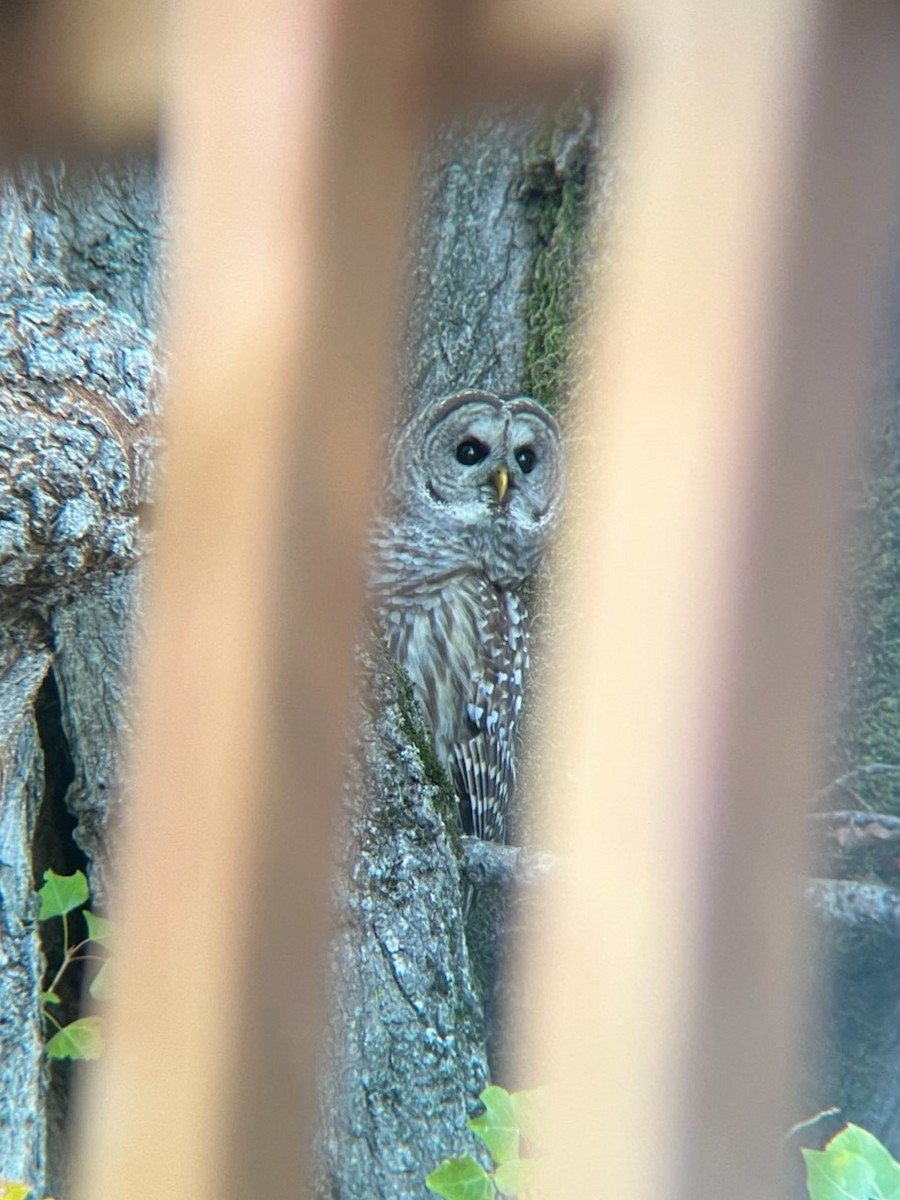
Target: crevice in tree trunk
point(55, 847)
point(54, 844)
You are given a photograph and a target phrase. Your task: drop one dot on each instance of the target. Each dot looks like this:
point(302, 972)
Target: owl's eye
point(470, 452)
point(526, 458)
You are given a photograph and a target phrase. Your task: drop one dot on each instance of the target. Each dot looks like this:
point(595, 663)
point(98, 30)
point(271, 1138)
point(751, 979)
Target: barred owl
point(473, 494)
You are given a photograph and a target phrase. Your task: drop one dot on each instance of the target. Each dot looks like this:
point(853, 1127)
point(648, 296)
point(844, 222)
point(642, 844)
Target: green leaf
point(497, 1126)
point(837, 1177)
point(461, 1179)
point(99, 929)
point(14, 1191)
point(61, 893)
point(46, 998)
point(528, 1110)
point(102, 986)
point(516, 1177)
point(886, 1169)
point(82, 1039)
point(853, 1166)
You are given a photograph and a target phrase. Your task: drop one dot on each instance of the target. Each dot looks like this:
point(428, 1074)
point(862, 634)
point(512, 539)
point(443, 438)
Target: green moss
point(435, 773)
point(556, 194)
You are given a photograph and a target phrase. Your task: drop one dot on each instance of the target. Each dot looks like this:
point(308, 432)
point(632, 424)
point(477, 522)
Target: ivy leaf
point(46, 998)
point(14, 1191)
point(461, 1179)
point(837, 1176)
point(102, 986)
point(517, 1176)
point(528, 1110)
point(61, 893)
point(82, 1039)
point(99, 929)
point(886, 1170)
point(497, 1126)
point(853, 1166)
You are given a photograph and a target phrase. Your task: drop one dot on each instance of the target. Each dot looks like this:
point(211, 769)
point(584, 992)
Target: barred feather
point(465, 651)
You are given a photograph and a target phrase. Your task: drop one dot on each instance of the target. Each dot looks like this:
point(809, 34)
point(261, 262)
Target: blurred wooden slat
point(88, 77)
point(79, 77)
point(291, 129)
point(540, 40)
point(117, 48)
point(730, 365)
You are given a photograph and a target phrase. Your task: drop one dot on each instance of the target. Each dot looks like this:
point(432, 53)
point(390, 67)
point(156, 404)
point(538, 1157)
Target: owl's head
point(486, 468)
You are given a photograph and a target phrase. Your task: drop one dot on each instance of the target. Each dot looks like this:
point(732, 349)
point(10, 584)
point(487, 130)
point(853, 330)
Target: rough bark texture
point(23, 664)
point(475, 250)
point(79, 300)
point(78, 411)
point(406, 1045)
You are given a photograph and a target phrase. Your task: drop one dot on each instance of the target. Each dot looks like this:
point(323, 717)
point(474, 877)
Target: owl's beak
point(501, 483)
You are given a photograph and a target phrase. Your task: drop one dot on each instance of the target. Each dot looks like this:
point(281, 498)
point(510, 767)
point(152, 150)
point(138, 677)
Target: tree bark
point(79, 400)
point(474, 258)
point(24, 662)
point(406, 1054)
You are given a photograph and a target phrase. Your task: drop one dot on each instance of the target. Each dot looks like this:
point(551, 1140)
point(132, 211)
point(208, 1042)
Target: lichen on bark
point(557, 188)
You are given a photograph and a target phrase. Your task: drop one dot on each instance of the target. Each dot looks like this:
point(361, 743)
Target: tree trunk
point(78, 411)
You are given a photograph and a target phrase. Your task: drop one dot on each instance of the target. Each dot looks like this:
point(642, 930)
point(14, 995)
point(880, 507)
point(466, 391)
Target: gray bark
point(23, 1145)
point(79, 384)
point(406, 1055)
point(474, 255)
point(854, 1031)
point(93, 637)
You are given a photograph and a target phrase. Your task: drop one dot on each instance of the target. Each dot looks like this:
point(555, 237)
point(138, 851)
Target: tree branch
point(856, 830)
point(863, 906)
point(490, 864)
point(842, 784)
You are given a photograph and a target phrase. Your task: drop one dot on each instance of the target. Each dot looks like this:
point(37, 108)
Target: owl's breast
point(446, 640)
point(509, 553)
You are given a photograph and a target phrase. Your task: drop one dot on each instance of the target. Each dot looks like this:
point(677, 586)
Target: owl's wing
point(483, 763)
point(484, 775)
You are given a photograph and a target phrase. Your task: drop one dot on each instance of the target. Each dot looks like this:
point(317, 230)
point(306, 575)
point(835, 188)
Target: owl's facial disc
point(487, 462)
point(465, 447)
point(534, 462)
